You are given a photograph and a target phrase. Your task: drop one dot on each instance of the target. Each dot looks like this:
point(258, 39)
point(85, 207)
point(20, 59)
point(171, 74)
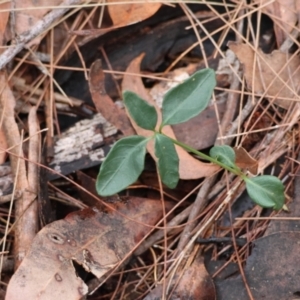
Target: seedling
point(125, 161)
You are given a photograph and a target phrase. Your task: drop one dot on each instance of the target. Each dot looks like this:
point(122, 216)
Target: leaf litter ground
point(255, 106)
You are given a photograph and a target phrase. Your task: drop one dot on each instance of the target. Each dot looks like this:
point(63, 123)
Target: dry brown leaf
point(267, 68)
point(189, 167)
point(31, 11)
point(103, 103)
point(127, 14)
point(194, 284)
point(96, 240)
point(245, 161)
point(284, 14)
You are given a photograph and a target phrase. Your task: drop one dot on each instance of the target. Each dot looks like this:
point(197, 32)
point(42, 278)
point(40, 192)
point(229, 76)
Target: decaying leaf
point(103, 103)
point(127, 14)
point(189, 167)
point(277, 73)
point(284, 14)
point(98, 241)
point(194, 284)
point(245, 161)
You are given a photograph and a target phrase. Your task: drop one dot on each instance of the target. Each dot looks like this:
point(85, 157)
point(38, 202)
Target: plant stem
point(235, 171)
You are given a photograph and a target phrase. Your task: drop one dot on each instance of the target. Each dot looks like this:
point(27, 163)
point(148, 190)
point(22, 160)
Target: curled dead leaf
point(103, 103)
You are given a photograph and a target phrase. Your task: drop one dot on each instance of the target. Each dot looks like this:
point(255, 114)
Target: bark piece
point(82, 146)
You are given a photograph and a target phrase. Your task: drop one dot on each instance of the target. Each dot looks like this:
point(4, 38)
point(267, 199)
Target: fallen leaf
point(245, 161)
point(127, 14)
point(104, 104)
point(189, 167)
point(267, 68)
point(98, 241)
point(284, 14)
point(194, 284)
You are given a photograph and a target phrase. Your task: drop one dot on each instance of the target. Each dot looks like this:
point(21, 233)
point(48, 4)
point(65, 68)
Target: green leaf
point(188, 99)
point(223, 154)
point(168, 161)
point(143, 113)
point(122, 166)
point(267, 191)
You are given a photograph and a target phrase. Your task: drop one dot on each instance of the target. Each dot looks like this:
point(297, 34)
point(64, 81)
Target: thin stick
point(25, 229)
point(36, 30)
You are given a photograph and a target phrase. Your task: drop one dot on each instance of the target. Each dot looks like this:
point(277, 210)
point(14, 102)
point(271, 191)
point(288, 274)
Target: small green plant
point(125, 161)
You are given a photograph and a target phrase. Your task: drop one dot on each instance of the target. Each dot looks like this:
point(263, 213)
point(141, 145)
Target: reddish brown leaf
point(98, 241)
point(189, 167)
point(104, 103)
point(126, 14)
point(195, 284)
point(245, 161)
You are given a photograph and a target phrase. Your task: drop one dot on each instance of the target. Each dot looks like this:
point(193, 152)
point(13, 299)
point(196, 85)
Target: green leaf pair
point(267, 191)
point(125, 162)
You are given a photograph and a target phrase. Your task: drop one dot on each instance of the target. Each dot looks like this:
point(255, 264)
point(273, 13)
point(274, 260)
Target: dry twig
point(35, 31)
